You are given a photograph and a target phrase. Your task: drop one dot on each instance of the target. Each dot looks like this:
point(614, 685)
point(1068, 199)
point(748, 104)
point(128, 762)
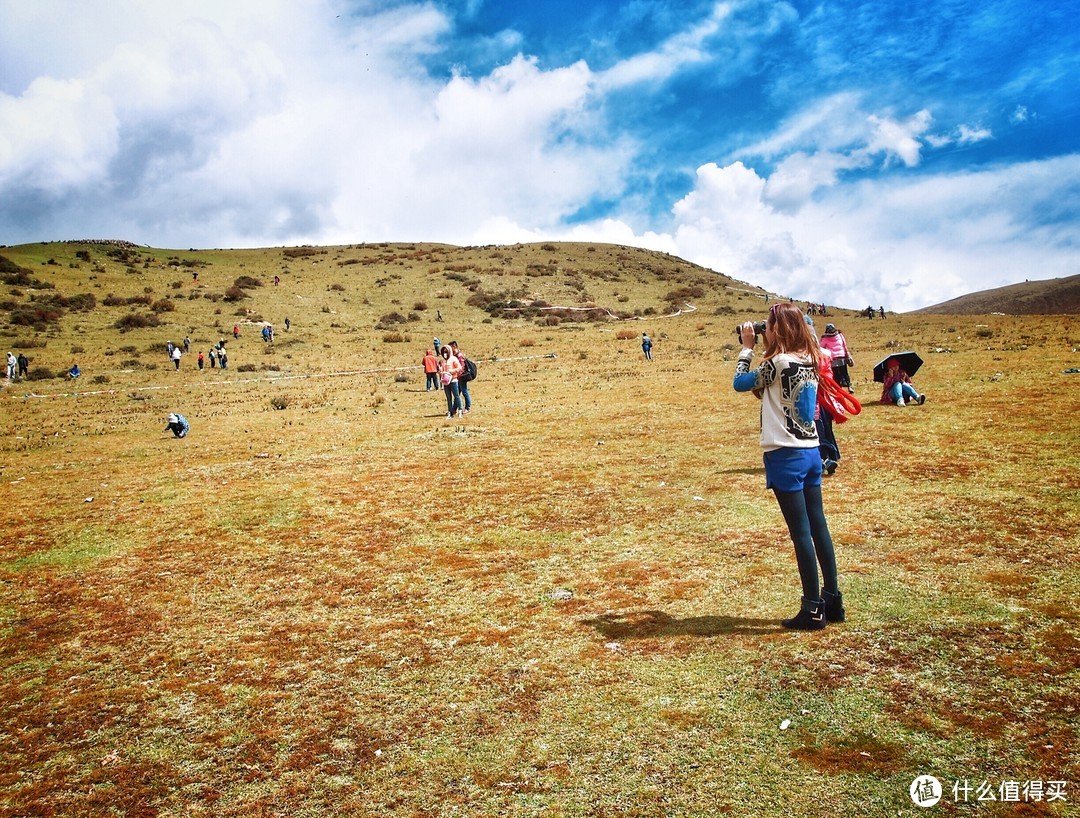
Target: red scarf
point(833, 399)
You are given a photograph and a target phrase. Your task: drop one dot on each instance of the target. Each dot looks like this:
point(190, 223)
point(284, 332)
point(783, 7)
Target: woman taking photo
point(787, 384)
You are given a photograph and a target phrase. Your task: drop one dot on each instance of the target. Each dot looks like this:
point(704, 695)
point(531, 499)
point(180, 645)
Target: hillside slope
point(1058, 296)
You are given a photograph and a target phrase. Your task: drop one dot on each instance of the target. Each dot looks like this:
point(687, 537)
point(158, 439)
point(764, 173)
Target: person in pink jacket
point(449, 370)
point(834, 341)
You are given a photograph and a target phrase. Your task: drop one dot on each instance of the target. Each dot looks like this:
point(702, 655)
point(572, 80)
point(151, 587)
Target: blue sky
point(853, 153)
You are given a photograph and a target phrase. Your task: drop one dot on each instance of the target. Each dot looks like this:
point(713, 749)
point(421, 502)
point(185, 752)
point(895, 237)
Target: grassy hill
point(330, 600)
point(384, 299)
point(1058, 296)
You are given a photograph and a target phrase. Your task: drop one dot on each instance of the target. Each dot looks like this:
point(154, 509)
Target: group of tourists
point(445, 365)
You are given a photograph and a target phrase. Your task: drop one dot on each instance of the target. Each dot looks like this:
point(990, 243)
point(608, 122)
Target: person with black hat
point(834, 341)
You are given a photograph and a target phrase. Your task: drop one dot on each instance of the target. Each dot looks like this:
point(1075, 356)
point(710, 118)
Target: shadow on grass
point(745, 470)
point(652, 624)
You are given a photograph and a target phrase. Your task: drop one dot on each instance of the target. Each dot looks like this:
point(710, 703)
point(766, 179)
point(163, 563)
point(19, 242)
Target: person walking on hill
point(787, 384)
point(176, 353)
point(24, 365)
point(431, 370)
point(646, 346)
point(834, 341)
point(12, 366)
point(201, 360)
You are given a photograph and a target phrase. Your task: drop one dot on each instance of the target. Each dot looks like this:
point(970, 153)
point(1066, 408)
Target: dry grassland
point(348, 606)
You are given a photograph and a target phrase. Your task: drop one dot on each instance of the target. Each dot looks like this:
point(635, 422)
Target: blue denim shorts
point(792, 469)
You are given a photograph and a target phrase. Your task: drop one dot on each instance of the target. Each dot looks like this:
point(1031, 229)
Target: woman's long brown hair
point(788, 332)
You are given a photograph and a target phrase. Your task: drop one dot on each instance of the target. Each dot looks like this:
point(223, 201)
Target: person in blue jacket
point(178, 425)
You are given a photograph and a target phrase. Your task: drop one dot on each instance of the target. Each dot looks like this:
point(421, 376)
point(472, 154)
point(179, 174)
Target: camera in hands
point(759, 329)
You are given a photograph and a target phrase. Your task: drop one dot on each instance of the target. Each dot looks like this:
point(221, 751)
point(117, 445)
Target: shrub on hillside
point(235, 294)
point(390, 319)
point(163, 305)
point(116, 301)
point(41, 373)
point(16, 276)
point(395, 338)
point(247, 282)
point(35, 315)
point(136, 321)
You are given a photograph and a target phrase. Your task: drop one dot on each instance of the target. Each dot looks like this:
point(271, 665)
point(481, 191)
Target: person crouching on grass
point(786, 383)
point(178, 425)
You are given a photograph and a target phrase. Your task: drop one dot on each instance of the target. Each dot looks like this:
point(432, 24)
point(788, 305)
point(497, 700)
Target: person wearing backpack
point(468, 373)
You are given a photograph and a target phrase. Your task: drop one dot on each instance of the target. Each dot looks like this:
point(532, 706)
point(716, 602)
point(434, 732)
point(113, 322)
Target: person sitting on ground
point(74, 372)
point(898, 387)
point(178, 425)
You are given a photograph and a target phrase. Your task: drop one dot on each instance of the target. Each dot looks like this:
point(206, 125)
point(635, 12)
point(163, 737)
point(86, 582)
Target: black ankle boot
point(811, 617)
point(834, 605)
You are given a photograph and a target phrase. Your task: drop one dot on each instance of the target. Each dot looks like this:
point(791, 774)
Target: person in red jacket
point(431, 370)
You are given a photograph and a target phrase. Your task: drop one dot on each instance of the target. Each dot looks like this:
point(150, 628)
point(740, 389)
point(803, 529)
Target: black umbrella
point(909, 362)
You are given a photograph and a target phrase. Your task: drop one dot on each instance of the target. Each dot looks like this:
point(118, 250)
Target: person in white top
point(787, 383)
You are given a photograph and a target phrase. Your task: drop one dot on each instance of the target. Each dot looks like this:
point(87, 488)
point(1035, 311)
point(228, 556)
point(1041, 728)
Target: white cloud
point(57, 135)
point(901, 242)
point(898, 138)
point(800, 175)
point(831, 123)
point(1020, 114)
point(680, 50)
point(968, 134)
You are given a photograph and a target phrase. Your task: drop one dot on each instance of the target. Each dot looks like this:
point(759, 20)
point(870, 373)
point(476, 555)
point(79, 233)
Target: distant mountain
point(1056, 296)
